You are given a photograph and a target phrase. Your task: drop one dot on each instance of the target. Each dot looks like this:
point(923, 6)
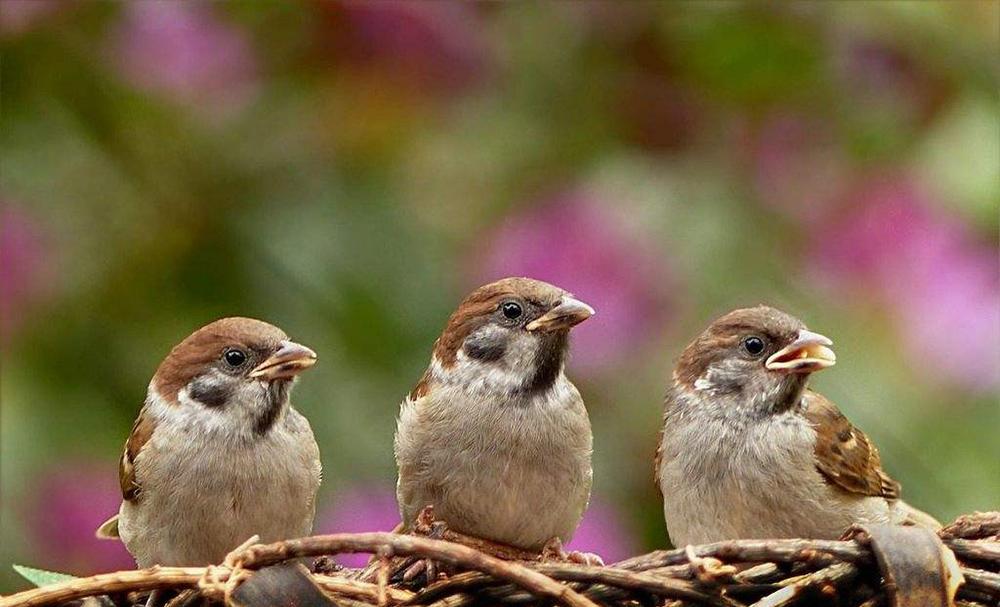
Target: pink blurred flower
point(574, 241)
point(797, 167)
point(184, 51)
point(603, 532)
point(944, 288)
point(24, 267)
point(437, 45)
point(887, 222)
point(69, 503)
point(357, 509)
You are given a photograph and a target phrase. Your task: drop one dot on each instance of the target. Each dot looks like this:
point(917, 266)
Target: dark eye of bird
point(753, 345)
point(234, 357)
point(511, 310)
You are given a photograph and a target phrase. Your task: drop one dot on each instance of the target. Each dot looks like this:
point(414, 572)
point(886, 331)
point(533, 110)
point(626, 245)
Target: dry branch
point(453, 554)
point(764, 573)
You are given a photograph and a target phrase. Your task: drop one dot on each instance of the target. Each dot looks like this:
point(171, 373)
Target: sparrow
point(747, 451)
point(494, 436)
point(217, 453)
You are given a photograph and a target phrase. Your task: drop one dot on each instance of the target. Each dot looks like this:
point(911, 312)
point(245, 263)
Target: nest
point(873, 566)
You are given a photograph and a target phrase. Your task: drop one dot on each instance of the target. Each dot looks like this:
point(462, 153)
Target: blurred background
point(349, 171)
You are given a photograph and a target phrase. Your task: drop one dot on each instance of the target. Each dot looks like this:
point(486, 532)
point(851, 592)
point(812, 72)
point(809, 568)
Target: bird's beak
point(288, 361)
point(567, 313)
point(809, 352)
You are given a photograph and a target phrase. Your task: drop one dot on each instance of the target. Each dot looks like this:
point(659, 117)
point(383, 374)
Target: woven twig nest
point(891, 566)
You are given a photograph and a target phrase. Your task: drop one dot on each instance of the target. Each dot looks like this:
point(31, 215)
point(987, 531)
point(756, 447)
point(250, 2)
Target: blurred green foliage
point(354, 188)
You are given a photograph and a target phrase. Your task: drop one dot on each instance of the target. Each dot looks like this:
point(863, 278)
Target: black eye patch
point(209, 391)
point(485, 348)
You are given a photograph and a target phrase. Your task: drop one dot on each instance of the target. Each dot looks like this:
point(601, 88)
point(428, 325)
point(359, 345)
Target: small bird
point(746, 451)
point(217, 453)
point(494, 436)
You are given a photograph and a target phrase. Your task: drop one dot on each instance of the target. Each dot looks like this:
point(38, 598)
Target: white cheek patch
point(236, 417)
point(720, 377)
point(189, 414)
point(478, 376)
point(184, 399)
point(506, 374)
point(715, 377)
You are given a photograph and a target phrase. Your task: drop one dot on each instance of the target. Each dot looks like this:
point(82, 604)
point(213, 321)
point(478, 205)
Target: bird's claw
point(325, 565)
point(554, 551)
point(708, 569)
point(589, 559)
point(426, 525)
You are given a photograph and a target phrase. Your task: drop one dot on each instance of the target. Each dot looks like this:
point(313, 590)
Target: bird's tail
point(908, 515)
point(108, 529)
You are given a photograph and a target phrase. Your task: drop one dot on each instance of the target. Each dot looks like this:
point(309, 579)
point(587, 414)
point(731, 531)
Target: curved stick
point(408, 545)
point(107, 583)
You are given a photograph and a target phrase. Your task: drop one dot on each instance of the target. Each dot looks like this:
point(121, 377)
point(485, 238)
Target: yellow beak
point(808, 353)
point(569, 312)
point(288, 361)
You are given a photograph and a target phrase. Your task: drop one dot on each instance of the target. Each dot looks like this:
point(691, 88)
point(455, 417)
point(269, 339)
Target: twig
point(983, 581)
point(181, 599)
point(622, 578)
point(382, 595)
point(772, 572)
point(502, 551)
point(834, 574)
point(469, 580)
point(765, 572)
point(618, 578)
point(976, 525)
point(821, 553)
point(408, 545)
point(121, 581)
point(975, 550)
point(353, 589)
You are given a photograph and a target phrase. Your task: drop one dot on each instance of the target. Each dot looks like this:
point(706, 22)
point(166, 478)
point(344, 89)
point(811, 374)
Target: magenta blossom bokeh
point(603, 532)
point(436, 45)
point(373, 508)
point(25, 267)
point(797, 167)
point(942, 285)
point(574, 241)
point(358, 509)
point(186, 52)
point(70, 502)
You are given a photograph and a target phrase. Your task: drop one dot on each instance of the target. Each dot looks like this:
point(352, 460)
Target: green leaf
point(40, 577)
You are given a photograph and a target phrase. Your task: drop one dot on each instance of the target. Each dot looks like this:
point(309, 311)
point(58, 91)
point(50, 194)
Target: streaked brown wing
point(142, 430)
point(844, 455)
point(657, 459)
